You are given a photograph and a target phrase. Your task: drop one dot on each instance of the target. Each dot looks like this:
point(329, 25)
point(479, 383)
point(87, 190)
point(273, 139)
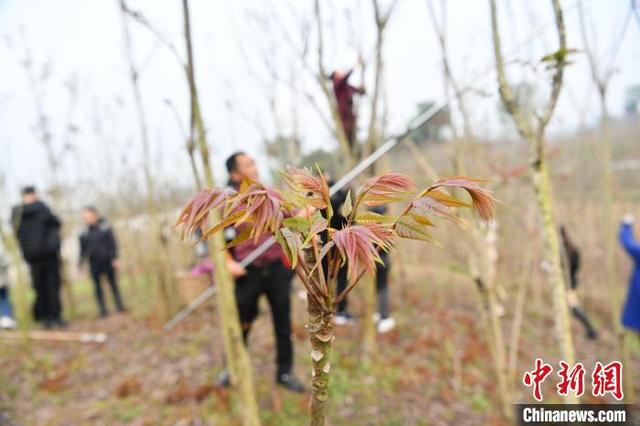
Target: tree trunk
point(499, 353)
point(482, 262)
point(238, 360)
point(624, 344)
point(320, 336)
point(534, 135)
point(348, 160)
point(542, 187)
point(608, 214)
point(495, 340)
point(518, 315)
point(163, 282)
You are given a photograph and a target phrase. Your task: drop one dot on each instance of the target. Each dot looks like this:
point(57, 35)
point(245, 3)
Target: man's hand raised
point(235, 268)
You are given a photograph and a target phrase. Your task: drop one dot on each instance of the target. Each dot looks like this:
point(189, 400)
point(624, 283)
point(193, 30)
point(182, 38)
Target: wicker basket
point(190, 286)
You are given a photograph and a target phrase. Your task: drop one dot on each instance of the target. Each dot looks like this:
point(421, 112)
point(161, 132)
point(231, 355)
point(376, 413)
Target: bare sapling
point(531, 127)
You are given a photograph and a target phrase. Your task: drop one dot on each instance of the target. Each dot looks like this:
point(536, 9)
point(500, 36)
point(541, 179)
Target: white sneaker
point(376, 317)
point(386, 325)
point(7, 323)
point(344, 318)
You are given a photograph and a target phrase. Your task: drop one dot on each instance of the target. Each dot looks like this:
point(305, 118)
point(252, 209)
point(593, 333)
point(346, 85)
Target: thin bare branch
point(139, 18)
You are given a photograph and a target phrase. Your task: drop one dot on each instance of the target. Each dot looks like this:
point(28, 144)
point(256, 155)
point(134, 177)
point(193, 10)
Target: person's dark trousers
point(274, 281)
point(45, 276)
point(382, 276)
point(98, 269)
point(581, 316)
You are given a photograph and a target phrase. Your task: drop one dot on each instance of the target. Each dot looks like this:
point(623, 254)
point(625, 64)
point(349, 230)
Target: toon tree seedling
point(298, 218)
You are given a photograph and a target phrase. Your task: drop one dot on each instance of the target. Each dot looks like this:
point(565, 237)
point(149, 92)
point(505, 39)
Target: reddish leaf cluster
point(483, 202)
point(358, 246)
point(384, 189)
point(256, 205)
point(259, 210)
point(196, 213)
point(313, 188)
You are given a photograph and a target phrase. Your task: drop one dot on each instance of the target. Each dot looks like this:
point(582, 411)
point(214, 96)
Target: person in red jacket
point(344, 93)
point(267, 275)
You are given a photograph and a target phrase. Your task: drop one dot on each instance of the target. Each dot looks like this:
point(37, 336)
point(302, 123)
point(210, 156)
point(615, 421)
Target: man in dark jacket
point(98, 246)
point(38, 233)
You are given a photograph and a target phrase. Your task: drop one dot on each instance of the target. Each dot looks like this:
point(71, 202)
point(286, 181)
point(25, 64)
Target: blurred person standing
point(38, 232)
point(571, 265)
point(98, 246)
point(631, 311)
point(384, 320)
point(339, 221)
point(266, 275)
point(7, 320)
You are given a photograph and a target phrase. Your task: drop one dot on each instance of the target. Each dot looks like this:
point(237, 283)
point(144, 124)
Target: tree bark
point(320, 337)
point(159, 267)
point(542, 187)
point(483, 255)
point(532, 129)
point(239, 362)
point(348, 161)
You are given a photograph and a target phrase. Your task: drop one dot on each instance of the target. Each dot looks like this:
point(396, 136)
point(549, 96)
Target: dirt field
point(434, 368)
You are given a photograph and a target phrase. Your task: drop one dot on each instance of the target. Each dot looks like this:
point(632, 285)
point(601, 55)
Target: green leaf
point(347, 206)
point(447, 199)
point(291, 243)
point(373, 200)
point(373, 217)
point(240, 238)
point(325, 249)
point(227, 221)
point(319, 225)
point(421, 219)
point(294, 198)
point(297, 223)
point(408, 227)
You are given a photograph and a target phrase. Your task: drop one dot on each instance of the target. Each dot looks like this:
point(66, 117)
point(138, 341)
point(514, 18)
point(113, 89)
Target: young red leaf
point(358, 246)
point(483, 202)
point(259, 206)
point(384, 189)
point(314, 188)
point(425, 206)
point(195, 214)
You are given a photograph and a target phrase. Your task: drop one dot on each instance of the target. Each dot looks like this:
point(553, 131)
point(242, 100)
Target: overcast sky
point(82, 41)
